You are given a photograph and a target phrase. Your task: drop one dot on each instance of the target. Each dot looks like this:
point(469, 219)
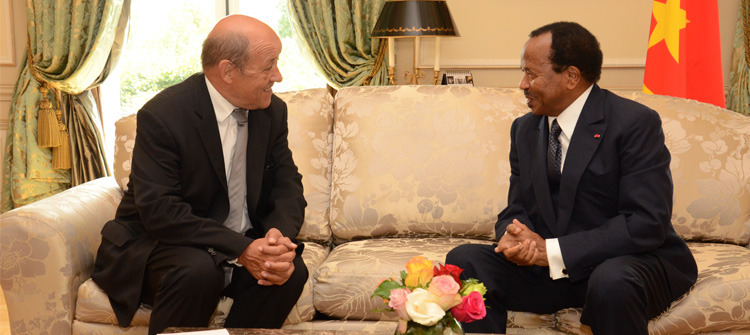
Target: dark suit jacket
point(177, 193)
point(615, 196)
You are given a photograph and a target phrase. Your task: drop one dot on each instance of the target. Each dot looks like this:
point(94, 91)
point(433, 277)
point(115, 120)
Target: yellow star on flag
point(670, 19)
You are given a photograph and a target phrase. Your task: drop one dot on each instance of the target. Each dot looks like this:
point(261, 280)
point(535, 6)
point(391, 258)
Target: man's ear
point(226, 70)
point(573, 76)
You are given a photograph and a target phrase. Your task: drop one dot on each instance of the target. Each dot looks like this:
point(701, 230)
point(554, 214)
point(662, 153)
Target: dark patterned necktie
point(237, 186)
point(554, 153)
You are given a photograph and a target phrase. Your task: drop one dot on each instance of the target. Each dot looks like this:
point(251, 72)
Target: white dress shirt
point(567, 121)
point(228, 133)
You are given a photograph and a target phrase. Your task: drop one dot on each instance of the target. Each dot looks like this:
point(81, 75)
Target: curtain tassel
point(61, 153)
point(47, 125)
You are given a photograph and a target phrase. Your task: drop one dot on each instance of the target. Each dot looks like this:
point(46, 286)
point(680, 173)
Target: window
point(165, 40)
point(164, 46)
point(297, 72)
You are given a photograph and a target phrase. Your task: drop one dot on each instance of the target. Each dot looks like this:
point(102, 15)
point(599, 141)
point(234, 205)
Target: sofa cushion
point(385, 327)
point(93, 305)
point(310, 136)
point(344, 283)
point(719, 300)
point(710, 149)
point(124, 143)
point(420, 160)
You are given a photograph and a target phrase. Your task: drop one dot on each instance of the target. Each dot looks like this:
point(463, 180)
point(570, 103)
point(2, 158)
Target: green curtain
point(72, 47)
point(336, 34)
point(738, 98)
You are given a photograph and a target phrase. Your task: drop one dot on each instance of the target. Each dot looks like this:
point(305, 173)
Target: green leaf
point(384, 289)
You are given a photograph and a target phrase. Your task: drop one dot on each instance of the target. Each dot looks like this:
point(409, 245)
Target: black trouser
point(619, 297)
point(183, 284)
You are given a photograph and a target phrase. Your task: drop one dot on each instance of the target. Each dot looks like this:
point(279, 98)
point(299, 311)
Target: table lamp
point(414, 18)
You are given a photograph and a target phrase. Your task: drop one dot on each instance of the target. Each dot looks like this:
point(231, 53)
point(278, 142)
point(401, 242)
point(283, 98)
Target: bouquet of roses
point(431, 299)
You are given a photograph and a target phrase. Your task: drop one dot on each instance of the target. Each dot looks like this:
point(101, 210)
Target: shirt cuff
point(235, 262)
point(557, 268)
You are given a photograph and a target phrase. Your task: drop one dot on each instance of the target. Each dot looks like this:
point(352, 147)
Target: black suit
point(614, 205)
point(177, 199)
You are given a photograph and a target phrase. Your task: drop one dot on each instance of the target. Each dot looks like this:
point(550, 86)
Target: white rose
point(422, 308)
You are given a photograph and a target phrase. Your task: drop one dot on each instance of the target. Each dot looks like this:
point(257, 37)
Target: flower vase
point(446, 326)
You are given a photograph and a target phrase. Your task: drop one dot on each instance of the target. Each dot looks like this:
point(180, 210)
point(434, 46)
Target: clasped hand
point(270, 259)
point(522, 246)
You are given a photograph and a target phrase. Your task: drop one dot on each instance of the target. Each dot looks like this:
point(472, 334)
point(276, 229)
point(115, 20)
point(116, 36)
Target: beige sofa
point(390, 173)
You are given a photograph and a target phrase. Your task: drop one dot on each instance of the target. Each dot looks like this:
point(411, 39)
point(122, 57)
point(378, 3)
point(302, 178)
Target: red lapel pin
point(597, 135)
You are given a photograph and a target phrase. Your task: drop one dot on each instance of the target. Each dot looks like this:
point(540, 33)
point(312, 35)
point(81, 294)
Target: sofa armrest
point(47, 251)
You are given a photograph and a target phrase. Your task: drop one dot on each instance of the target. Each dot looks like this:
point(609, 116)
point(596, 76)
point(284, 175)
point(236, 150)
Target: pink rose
point(444, 284)
point(445, 289)
point(397, 301)
point(470, 309)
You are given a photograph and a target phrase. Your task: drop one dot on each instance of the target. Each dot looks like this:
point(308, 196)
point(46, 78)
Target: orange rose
point(419, 272)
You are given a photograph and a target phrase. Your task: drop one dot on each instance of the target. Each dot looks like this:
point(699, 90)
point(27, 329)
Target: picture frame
point(458, 78)
point(7, 49)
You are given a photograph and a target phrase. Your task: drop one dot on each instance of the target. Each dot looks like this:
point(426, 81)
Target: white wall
point(492, 33)
point(9, 72)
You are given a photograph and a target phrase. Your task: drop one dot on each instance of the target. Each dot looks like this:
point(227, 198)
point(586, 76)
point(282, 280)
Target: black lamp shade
point(401, 18)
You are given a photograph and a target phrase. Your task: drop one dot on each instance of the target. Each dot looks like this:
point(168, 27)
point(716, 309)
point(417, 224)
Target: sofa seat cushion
point(344, 283)
point(385, 327)
point(93, 304)
point(719, 300)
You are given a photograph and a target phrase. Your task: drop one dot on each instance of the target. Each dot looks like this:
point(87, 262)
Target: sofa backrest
point(433, 161)
point(710, 149)
point(310, 135)
point(402, 161)
point(420, 160)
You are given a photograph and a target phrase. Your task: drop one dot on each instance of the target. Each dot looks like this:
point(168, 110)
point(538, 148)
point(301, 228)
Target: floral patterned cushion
point(386, 327)
point(420, 160)
point(433, 161)
point(719, 301)
point(124, 143)
point(310, 136)
point(93, 306)
point(344, 283)
point(710, 168)
point(47, 251)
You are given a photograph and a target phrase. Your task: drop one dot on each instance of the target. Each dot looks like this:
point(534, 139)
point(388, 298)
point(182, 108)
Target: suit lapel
point(587, 136)
point(208, 129)
point(538, 140)
point(258, 137)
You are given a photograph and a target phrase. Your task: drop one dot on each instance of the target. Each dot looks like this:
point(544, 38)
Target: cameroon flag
point(684, 52)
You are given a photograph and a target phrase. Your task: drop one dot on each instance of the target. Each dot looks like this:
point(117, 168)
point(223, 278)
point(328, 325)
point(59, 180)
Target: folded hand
point(522, 246)
point(270, 259)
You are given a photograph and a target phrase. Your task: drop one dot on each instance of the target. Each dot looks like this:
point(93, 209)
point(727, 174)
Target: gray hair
point(232, 46)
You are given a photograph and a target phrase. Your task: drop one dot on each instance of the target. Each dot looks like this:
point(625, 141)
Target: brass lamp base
point(412, 78)
point(391, 71)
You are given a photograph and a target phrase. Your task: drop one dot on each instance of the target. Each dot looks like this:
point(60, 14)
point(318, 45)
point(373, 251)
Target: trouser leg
point(257, 306)
point(512, 287)
point(183, 284)
point(624, 293)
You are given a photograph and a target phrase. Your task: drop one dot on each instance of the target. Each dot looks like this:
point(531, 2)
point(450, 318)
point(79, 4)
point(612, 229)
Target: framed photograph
point(7, 50)
point(458, 78)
